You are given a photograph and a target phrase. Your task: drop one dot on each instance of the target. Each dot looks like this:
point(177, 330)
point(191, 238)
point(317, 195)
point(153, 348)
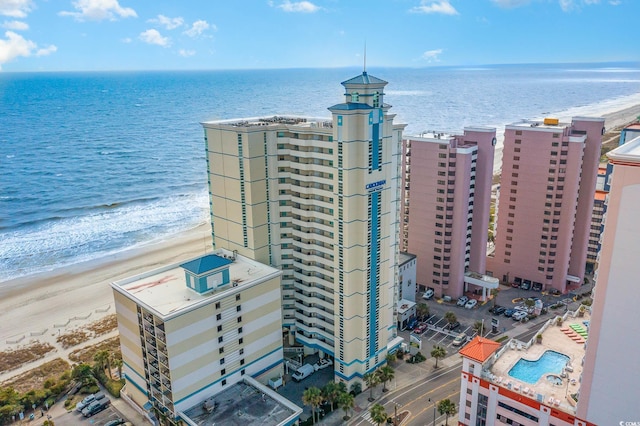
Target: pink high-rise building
point(609, 390)
point(548, 179)
point(446, 184)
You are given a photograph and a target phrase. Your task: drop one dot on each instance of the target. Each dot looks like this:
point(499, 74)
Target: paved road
point(419, 398)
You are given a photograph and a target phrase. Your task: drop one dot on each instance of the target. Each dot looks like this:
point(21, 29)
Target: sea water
point(95, 163)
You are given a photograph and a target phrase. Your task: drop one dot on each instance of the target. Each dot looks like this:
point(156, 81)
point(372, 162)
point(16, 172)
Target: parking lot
point(434, 331)
point(76, 419)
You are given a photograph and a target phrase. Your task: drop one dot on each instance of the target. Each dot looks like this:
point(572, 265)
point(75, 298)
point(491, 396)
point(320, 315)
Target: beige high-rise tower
point(319, 199)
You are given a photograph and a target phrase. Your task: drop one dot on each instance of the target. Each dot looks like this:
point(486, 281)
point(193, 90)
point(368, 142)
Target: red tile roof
point(479, 349)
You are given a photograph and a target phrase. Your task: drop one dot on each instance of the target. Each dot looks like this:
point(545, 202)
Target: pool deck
point(555, 338)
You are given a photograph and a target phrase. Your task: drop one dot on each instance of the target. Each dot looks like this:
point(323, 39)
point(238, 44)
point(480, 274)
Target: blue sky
point(76, 35)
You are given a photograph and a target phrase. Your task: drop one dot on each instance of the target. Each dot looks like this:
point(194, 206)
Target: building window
point(221, 361)
point(217, 305)
point(242, 361)
point(355, 97)
point(219, 328)
point(237, 297)
point(242, 372)
point(224, 382)
point(240, 318)
point(218, 317)
point(238, 308)
point(241, 351)
point(221, 350)
point(220, 339)
point(240, 341)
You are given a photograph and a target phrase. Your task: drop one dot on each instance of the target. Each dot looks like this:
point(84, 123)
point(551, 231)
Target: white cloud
point(154, 37)
point(511, 3)
point(97, 10)
point(47, 50)
point(615, 2)
point(168, 23)
point(435, 6)
point(15, 25)
point(299, 6)
point(432, 55)
point(186, 53)
point(127, 40)
point(15, 8)
point(15, 46)
point(569, 5)
point(198, 27)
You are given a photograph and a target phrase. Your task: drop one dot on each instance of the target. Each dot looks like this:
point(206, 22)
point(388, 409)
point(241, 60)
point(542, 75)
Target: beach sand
point(32, 307)
point(43, 306)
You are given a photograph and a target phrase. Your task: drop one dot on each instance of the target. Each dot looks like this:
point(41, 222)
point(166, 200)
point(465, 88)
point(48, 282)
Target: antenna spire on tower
point(364, 69)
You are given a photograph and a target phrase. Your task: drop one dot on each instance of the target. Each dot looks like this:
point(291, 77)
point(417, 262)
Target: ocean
point(92, 164)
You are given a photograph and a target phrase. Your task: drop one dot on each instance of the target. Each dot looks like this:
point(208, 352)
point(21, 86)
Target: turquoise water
point(94, 163)
point(531, 371)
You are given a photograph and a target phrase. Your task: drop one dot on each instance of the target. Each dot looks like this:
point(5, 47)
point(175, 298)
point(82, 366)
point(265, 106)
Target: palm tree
point(477, 327)
point(438, 352)
point(371, 380)
point(450, 317)
point(342, 387)
point(494, 293)
point(101, 358)
point(82, 373)
point(331, 392)
point(346, 402)
point(385, 374)
point(356, 388)
point(118, 364)
point(391, 358)
point(422, 310)
point(313, 398)
point(448, 408)
point(378, 414)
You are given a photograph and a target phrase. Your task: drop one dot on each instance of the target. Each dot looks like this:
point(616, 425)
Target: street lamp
point(395, 413)
point(434, 412)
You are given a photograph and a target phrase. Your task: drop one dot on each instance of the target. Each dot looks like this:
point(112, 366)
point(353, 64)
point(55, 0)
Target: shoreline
point(76, 295)
point(40, 307)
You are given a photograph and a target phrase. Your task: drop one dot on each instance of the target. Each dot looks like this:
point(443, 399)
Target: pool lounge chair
point(550, 401)
point(525, 391)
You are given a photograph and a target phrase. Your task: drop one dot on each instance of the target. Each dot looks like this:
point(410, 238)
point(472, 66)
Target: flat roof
point(246, 403)
point(164, 290)
point(405, 257)
point(627, 153)
point(563, 339)
point(274, 120)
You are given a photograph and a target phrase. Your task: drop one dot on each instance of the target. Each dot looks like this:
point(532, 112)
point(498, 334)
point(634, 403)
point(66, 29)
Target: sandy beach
point(39, 308)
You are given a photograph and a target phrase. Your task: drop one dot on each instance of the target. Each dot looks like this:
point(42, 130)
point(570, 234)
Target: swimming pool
point(531, 371)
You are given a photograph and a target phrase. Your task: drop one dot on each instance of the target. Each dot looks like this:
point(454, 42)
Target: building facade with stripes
point(319, 200)
point(189, 331)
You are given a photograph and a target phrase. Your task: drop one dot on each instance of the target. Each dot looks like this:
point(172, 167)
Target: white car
point(462, 301)
point(519, 315)
point(471, 304)
point(428, 294)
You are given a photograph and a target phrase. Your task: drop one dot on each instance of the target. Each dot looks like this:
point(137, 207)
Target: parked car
point(452, 325)
point(412, 323)
point(428, 294)
point(303, 372)
point(462, 300)
point(98, 396)
point(519, 315)
point(85, 402)
point(471, 304)
point(460, 339)
point(95, 407)
point(498, 310)
point(525, 285)
point(536, 287)
point(420, 328)
point(323, 363)
point(509, 312)
point(115, 422)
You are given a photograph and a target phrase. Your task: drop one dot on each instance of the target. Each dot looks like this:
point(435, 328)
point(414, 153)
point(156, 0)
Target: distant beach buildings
point(547, 186)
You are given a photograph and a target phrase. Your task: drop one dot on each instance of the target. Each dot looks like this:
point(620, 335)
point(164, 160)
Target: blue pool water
point(531, 371)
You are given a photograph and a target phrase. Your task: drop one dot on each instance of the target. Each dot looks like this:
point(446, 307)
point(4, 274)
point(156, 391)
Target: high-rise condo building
point(446, 183)
point(609, 380)
point(191, 330)
point(318, 199)
point(547, 188)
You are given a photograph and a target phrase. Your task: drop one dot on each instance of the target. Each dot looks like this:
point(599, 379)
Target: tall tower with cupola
point(367, 248)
